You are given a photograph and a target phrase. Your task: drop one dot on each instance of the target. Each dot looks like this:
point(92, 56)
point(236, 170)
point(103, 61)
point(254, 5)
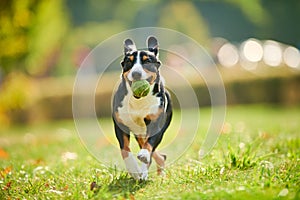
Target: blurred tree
point(275, 19)
point(31, 31)
point(253, 10)
point(16, 93)
point(40, 36)
point(146, 13)
point(46, 37)
point(237, 20)
point(284, 25)
point(15, 21)
point(184, 17)
point(226, 20)
point(91, 10)
point(82, 40)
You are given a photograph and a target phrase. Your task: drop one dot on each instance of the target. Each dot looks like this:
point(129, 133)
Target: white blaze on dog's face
point(140, 65)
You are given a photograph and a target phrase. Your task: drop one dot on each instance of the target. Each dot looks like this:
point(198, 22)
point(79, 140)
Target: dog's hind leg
point(160, 162)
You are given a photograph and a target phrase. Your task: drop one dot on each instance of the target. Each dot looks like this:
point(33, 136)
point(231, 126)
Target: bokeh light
point(272, 53)
point(291, 57)
point(252, 50)
point(228, 55)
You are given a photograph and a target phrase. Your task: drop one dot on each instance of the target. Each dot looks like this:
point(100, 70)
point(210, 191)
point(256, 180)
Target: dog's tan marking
point(153, 76)
point(125, 75)
point(131, 58)
point(154, 117)
point(148, 147)
point(141, 141)
point(117, 117)
point(126, 148)
point(145, 57)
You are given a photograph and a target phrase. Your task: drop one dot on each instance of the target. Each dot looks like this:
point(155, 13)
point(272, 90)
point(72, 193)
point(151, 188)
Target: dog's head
point(141, 64)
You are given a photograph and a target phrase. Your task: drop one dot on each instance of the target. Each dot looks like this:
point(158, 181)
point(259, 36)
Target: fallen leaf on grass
point(3, 154)
point(94, 186)
point(7, 186)
point(37, 162)
point(131, 197)
point(5, 171)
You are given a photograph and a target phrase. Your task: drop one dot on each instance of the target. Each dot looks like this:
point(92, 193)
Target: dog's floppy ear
point(129, 46)
point(152, 45)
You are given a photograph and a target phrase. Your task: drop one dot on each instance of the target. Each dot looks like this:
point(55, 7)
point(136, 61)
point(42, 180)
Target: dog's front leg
point(132, 167)
point(150, 145)
point(129, 160)
point(144, 156)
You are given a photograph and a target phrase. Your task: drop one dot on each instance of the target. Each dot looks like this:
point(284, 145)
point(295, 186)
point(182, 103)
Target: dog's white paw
point(144, 156)
point(136, 176)
point(133, 167)
point(144, 169)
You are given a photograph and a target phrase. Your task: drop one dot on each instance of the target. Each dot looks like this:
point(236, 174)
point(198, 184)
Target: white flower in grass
point(266, 164)
point(69, 156)
point(241, 188)
point(56, 191)
point(283, 192)
point(222, 170)
point(242, 145)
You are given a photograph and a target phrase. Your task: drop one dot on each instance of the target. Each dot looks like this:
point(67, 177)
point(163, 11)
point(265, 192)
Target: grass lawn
point(257, 156)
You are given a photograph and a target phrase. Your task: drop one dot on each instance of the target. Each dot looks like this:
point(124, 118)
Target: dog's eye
point(131, 58)
point(146, 59)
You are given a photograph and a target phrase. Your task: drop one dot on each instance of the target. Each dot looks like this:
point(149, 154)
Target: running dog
point(146, 117)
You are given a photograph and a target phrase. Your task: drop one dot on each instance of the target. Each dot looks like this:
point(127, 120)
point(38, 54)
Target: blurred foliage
point(46, 38)
point(253, 10)
point(47, 33)
point(31, 33)
point(17, 93)
point(184, 17)
point(15, 20)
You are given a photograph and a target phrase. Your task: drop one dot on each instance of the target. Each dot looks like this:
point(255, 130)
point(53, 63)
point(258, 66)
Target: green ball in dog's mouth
point(140, 88)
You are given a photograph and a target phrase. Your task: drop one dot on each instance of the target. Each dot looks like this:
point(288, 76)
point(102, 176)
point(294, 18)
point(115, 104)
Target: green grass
point(256, 157)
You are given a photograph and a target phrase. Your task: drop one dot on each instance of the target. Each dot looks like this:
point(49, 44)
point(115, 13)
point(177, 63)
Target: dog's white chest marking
point(133, 111)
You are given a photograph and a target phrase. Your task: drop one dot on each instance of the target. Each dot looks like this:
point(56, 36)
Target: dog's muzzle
point(136, 75)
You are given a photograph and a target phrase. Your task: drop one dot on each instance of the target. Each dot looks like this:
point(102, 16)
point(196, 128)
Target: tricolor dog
point(148, 117)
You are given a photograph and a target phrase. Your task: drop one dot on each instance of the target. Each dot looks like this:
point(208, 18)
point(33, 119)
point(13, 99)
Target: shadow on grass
point(121, 186)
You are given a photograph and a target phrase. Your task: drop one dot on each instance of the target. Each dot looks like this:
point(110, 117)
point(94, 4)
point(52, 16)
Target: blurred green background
point(42, 43)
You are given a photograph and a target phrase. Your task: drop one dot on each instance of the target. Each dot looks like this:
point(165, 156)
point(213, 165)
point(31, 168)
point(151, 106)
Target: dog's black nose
point(136, 75)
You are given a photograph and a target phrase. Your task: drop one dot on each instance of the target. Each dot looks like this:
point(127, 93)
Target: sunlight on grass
point(256, 157)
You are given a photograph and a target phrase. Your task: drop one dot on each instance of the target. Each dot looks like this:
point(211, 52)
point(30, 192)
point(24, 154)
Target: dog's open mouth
point(148, 79)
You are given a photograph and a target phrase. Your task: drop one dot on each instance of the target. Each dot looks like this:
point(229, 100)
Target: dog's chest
point(133, 112)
